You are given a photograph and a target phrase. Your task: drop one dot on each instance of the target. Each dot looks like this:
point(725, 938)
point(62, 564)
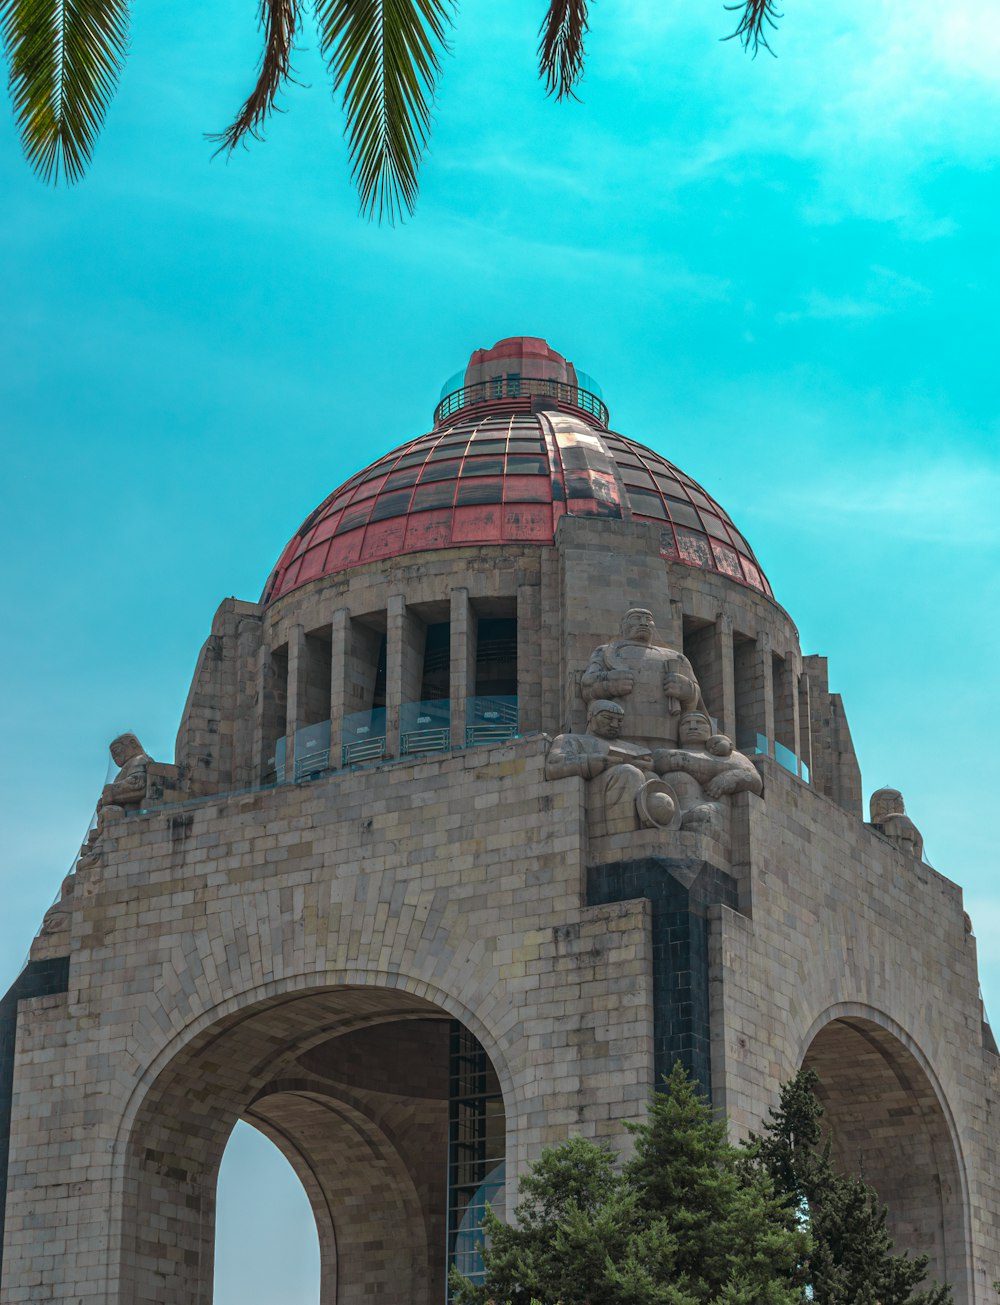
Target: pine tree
point(685, 1222)
point(852, 1260)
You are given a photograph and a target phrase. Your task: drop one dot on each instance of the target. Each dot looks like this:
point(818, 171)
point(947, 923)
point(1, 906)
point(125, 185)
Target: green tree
point(65, 58)
point(685, 1222)
point(852, 1260)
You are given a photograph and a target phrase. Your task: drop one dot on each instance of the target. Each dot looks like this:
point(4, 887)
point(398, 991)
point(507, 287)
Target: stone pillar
point(529, 655)
point(765, 681)
point(727, 673)
point(259, 712)
point(246, 750)
point(297, 672)
point(404, 665)
point(805, 725)
point(340, 634)
point(463, 661)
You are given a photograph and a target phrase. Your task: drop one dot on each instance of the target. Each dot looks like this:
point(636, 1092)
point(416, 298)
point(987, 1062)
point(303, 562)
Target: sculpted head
point(638, 625)
point(886, 802)
point(604, 718)
point(694, 727)
point(124, 748)
point(719, 745)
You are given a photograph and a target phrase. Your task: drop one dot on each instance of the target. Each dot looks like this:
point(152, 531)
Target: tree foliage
point(384, 56)
point(685, 1222)
point(852, 1260)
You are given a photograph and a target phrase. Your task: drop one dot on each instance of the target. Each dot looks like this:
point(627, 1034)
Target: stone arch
point(340, 1080)
point(891, 1122)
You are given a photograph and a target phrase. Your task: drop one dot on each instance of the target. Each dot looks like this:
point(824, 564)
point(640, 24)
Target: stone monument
point(373, 910)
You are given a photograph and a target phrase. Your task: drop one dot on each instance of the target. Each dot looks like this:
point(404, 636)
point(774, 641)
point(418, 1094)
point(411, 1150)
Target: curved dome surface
point(503, 468)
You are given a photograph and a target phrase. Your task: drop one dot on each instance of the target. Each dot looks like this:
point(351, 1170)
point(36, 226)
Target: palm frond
point(65, 57)
point(385, 56)
point(279, 20)
point(751, 31)
point(560, 50)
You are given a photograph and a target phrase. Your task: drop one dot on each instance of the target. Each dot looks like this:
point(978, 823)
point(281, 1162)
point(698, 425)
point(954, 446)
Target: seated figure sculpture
point(658, 683)
point(624, 793)
point(888, 815)
point(705, 769)
point(127, 791)
point(128, 788)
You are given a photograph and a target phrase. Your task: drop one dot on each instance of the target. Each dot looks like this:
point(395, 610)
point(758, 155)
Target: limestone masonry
point(514, 788)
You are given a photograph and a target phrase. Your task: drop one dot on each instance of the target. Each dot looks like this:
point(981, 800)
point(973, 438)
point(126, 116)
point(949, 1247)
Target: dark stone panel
point(37, 979)
point(680, 891)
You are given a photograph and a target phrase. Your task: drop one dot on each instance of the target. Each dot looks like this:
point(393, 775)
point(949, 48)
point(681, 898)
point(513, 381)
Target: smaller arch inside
point(889, 1126)
point(266, 1246)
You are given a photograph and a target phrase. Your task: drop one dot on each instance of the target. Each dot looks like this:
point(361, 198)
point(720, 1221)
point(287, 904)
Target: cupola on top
point(520, 439)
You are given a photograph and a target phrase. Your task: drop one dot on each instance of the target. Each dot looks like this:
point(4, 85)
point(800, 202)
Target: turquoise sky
point(783, 272)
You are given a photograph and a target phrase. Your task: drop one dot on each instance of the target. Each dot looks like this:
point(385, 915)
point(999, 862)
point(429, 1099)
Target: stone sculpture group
point(671, 735)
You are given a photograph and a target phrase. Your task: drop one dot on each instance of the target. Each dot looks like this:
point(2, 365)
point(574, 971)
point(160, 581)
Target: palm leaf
point(751, 31)
point(560, 50)
point(65, 57)
point(279, 20)
point(384, 54)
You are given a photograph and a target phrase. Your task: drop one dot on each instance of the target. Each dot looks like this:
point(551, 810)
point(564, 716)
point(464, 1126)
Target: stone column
point(805, 725)
point(297, 671)
point(340, 634)
point(529, 654)
point(727, 673)
point(765, 679)
point(463, 661)
point(404, 665)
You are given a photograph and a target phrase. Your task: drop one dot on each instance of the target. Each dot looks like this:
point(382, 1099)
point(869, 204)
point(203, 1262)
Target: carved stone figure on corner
point(128, 788)
point(658, 682)
point(57, 917)
point(888, 816)
point(126, 791)
point(704, 769)
point(624, 793)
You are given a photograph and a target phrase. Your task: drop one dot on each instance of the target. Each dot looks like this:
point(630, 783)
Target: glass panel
point(440, 471)
point(786, 757)
point(752, 744)
point(312, 749)
point(482, 467)
point(490, 720)
point(638, 477)
point(480, 490)
point(647, 503)
point(523, 465)
point(424, 726)
point(683, 514)
point(362, 736)
point(805, 773)
point(398, 479)
point(354, 517)
point(715, 527)
point(393, 504)
point(277, 762)
point(433, 496)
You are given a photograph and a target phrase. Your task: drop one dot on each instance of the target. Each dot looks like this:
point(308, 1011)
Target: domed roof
point(512, 452)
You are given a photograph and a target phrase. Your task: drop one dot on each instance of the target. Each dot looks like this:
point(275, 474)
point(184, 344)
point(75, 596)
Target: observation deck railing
point(752, 744)
point(520, 387)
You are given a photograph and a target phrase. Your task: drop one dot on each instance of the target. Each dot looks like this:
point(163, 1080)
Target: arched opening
point(889, 1124)
point(266, 1248)
point(388, 1110)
